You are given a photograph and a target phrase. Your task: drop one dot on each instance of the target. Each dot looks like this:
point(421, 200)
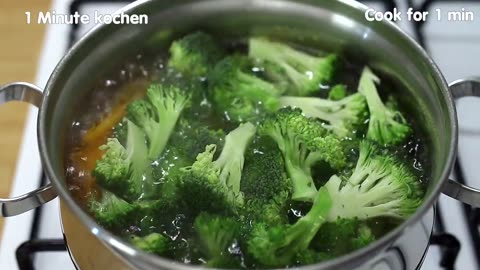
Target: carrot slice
point(85, 157)
point(97, 135)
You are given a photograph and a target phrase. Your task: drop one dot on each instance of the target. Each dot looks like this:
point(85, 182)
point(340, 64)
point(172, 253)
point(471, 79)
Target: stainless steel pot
point(336, 25)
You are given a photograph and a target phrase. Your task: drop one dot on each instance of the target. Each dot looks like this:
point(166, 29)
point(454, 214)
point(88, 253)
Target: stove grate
point(26, 251)
point(450, 246)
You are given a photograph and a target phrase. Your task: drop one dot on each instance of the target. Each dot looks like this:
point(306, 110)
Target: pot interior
point(331, 25)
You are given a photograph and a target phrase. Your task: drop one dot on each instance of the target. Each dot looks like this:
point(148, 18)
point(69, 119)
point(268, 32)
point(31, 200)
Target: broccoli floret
point(238, 92)
point(343, 116)
point(157, 115)
point(265, 184)
point(264, 174)
point(195, 54)
point(386, 126)
point(112, 212)
point(279, 245)
point(215, 185)
point(203, 136)
point(271, 212)
point(216, 234)
point(197, 193)
point(112, 170)
point(125, 171)
point(185, 144)
point(380, 186)
point(307, 73)
point(153, 243)
point(190, 139)
point(303, 143)
point(342, 236)
point(231, 160)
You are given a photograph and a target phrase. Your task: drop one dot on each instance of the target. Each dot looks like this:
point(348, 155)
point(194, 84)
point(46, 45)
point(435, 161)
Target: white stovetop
point(455, 47)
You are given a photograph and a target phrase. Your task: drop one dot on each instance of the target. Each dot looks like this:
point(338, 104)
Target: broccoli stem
point(386, 125)
point(311, 159)
point(309, 224)
point(300, 234)
point(314, 107)
point(306, 72)
point(368, 88)
point(296, 165)
point(303, 186)
point(295, 155)
point(280, 53)
point(232, 158)
point(169, 108)
point(141, 171)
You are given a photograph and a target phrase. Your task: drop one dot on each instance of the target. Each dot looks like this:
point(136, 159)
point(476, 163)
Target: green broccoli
point(303, 143)
point(195, 54)
point(112, 212)
point(157, 115)
point(265, 184)
point(344, 116)
point(195, 191)
point(338, 92)
point(215, 235)
point(386, 125)
point(112, 170)
point(190, 138)
point(380, 186)
point(279, 245)
point(238, 92)
point(153, 243)
point(215, 185)
point(307, 73)
point(272, 212)
point(264, 174)
point(125, 171)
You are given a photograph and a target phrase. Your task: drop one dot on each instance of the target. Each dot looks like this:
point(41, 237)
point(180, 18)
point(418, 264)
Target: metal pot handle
point(469, 195)
point(11, 207)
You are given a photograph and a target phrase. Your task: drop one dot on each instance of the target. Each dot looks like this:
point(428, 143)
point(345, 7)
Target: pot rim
point(121, 246)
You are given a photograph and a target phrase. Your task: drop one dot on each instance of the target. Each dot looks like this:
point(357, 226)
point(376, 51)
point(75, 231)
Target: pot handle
point(11, 207)
point(466, 194)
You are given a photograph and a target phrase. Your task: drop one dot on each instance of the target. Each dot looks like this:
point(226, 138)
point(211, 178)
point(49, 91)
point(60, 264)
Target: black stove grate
point(449, 244)
point(26, 251)
point(450, 247)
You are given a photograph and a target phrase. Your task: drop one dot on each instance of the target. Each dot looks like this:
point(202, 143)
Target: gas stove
point(34, 240)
